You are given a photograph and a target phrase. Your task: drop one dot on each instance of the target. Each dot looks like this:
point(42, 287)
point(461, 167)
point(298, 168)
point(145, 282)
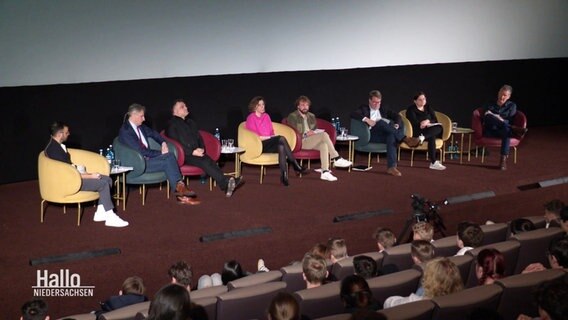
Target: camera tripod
point(426, 211)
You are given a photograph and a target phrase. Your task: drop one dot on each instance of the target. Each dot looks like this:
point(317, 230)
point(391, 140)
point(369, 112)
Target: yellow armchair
point(252, 144)
point(60, 182)
point(440, 142)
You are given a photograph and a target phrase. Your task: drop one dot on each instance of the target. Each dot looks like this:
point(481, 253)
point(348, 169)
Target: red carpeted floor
point(162, 232)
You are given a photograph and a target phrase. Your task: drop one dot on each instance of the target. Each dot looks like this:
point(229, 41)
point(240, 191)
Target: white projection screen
point(77, 41)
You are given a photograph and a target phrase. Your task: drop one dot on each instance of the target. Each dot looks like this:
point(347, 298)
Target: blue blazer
point(128, 136)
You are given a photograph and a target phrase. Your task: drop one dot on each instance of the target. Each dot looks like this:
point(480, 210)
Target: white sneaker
point(437, 166)
point(261, 267)
point(112, 220)
point(320, 170)
point(342, 163)
point(421, 138)
point(100, 216)
point(328, 176)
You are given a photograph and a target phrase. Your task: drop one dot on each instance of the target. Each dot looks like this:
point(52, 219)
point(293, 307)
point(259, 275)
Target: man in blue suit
point(135, 134)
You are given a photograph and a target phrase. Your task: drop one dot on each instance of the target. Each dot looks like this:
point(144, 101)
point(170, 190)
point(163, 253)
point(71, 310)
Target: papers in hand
point(385, 120)
point(318, 130)
point(433, 124)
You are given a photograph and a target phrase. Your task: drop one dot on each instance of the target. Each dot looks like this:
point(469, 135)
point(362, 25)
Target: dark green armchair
point(361, 130)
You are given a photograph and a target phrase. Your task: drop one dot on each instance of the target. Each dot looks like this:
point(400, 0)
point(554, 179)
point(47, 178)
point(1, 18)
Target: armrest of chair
point(446, 125)
point(287, 132)
point(298, 139)
point(92, 161)
point(180, 154)
point(408, 130)
point(129, 158)
point(250, 141)
point(361, 130)
point(56, 178)
point(476, 123)
point(212, 145)
point(520, 119)
point(328, 127)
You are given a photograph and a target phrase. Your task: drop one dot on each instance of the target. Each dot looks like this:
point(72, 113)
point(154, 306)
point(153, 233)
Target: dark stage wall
point(95, 111)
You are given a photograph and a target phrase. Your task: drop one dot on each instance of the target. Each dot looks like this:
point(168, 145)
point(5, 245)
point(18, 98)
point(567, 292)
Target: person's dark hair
point(302, 99)
point(481, 313)
point(181, 271)
point(171, 302)
point(365, 266)
point(564, 214)
point(284, 307)
point(506, 87)
point(57, 126)
point(559, 249)
point(470, 234)
point(232, 270)
point(176, 102)
point(418, 94)
point(552, 297)
point(422, 250)
point(355, 293)
point(35, 309)
point(133, 285)
point(520, 225)
point(253, 102)
point(554, 205)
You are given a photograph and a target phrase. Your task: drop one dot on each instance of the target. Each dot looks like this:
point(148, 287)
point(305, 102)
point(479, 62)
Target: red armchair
point(483, 142)
point(212, 149)
point(304, 154)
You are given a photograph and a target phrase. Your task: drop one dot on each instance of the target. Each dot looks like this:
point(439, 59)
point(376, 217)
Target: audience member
point(259, 122)
point(498, 122)
point(180, 273)
point(136, 135)
point(441, 277)
point(564, 219)
point(337, 249)
point(90, 181)
point(314, 270)
point(385, 238)
point(320, 249)
point(386, 127)
point(232, 270)
point(184, 130)
point(426, 127)
point(490, 266)
point(421, 251)
point(552, 301)
point(171, 302)
point(521, 225)
point(469, 236)
point(552, 211)
point(557, 256)
point(312, 139)
point(284, 307)
point(365, 266)
point(356, 294)
point(132, 292)
point(35, 309)
point(423, 230)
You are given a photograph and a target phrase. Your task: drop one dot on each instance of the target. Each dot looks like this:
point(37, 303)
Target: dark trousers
point(430, 136)
point(167, 163)
point(384, 132)
point(494, 128)
point(210, 167)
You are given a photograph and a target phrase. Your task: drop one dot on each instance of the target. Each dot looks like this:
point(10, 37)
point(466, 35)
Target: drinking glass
point(116, 164)
point(343, 132)
point(454, 126)
point(231, 143)
point(224, 144)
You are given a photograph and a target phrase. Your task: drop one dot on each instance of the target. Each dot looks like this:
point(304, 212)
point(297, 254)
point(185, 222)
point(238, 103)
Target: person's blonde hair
point(337, 248)
point(424, 230)
point(441, 277)
point(134, 285)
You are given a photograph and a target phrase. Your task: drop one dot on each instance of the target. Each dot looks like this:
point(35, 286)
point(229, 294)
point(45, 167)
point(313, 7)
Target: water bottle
point(111, 150)
point(337, 125)
point(450, 150)
point(203, 179)
point(101, 152)
point(456, 150)
point(108, 156)
point(217, 134)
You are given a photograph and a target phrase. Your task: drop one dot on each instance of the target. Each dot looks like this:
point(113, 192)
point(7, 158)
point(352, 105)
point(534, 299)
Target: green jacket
point(296, 120)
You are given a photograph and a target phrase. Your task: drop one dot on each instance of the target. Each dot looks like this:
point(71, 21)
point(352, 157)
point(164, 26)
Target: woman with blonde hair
point(441, 277)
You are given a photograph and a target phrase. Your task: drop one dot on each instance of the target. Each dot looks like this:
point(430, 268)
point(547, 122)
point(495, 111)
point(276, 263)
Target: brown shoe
point(187, 200)
point(519, 132)
point(394, 172)
point(411, 141)
point(182, 189)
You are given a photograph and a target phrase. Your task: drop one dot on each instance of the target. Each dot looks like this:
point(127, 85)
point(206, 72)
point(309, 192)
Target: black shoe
point(284, 178)
point(230, 187)
point(299, 169)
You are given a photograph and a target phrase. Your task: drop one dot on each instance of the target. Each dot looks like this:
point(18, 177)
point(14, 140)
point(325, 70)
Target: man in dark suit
point(386, 127)
point(90, 181)
point(135, 134)
point(185, 131)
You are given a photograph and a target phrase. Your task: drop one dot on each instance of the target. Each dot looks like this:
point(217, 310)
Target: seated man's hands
point(165, 148)
point(533, 267)
point(198, 152)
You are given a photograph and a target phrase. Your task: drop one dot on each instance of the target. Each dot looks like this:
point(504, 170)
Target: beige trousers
point(322, 143)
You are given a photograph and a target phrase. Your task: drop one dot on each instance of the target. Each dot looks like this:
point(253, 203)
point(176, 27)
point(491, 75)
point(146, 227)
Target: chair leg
point(143, 194)
point(398, 157)
point(482, 154)
point(79, 214)
point(42, 211)
point(168, 188)
point(369, 160)
point(261, 173)
point(411, 157)
point(515, 155)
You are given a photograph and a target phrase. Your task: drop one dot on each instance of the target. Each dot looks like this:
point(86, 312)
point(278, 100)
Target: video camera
point(426, 210)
